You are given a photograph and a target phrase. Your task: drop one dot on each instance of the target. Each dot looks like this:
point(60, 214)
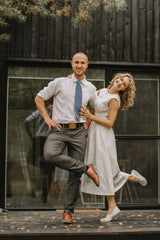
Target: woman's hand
point(84, 112)
point(69, 76)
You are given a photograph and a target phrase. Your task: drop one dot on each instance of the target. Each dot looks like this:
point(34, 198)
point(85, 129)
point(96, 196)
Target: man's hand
point(51, 123)
point(41, 107)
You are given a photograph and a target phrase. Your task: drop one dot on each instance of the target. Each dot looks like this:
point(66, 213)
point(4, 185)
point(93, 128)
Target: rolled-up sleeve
point(49, 91)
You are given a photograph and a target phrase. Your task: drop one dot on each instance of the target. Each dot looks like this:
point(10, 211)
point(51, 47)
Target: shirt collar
point(75, 79)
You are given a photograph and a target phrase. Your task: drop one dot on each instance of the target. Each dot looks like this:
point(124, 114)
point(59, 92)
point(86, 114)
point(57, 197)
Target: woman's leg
point(113, 210)
point(133, 179)
point(137, 177)
point(111, 203)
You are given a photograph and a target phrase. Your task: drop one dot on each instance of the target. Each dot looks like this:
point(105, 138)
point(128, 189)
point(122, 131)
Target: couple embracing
point(88, 134)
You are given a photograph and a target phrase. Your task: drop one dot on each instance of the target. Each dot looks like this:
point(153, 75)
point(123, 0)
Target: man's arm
point(88, 121)
point(41, 107)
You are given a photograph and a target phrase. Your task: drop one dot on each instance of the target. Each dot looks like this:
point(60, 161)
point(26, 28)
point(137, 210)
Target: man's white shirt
point(63, 92)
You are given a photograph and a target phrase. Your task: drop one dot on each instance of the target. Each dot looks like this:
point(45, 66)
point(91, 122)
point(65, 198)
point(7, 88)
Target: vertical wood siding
point(129, 36)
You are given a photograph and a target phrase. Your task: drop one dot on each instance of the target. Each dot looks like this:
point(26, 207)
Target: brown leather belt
point(71, 125)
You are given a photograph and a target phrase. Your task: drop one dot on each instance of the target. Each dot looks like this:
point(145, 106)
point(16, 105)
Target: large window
point(137, 133)
point(30, 183)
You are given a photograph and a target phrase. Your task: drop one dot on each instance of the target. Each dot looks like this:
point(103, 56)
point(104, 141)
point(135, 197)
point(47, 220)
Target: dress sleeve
point(103, 91)
point(115, 96)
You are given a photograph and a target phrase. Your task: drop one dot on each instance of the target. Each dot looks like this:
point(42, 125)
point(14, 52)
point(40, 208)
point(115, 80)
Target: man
point(66, 127)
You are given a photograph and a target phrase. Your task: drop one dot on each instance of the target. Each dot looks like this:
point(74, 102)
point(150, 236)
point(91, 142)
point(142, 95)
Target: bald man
point(66, 128)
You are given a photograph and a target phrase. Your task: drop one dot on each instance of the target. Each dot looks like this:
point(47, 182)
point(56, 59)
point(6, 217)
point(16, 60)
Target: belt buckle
point(72, 126)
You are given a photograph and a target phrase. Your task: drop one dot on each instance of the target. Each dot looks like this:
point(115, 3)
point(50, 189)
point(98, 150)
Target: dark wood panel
point(74, 40)
point(42, 38)
point(18, 48)
point(105, 36)
point(120, 37)
point(90, 42)
point(113, 36)
point(58, 38)
point(66, 38)
point(142, 31)
point(82, 39)
point(50, 41)
point(127, 32)
point(12, 42)
point(35, 37)
point(156, 43)
point(27, 39)
point(135, 32)
point(129, 36)
point(97, 37)
point(149, 31)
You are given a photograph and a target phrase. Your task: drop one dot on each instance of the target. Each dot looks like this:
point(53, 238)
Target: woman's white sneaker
point(110, 217)
point(142, 179)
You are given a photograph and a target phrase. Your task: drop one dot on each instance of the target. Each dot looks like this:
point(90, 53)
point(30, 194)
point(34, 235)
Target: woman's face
point(121, 83)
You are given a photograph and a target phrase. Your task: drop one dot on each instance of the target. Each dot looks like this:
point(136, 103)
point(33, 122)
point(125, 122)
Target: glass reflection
point(139, 119)
point(32, 185)
point(141, 155)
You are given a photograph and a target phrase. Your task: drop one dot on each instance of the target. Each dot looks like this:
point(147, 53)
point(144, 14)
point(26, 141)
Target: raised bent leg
point(53, 153)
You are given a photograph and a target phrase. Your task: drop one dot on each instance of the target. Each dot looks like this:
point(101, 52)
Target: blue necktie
point(78, 99)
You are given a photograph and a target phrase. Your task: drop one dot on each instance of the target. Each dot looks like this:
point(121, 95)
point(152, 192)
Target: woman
point(101, 148)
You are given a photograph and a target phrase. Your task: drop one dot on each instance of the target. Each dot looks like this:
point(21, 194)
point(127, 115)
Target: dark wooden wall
point(130, 36)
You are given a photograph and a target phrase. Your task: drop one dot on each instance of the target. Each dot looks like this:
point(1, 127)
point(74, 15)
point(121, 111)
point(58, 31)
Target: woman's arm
point(109, 122)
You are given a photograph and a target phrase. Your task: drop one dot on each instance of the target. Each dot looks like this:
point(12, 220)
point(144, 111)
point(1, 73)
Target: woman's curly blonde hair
point(127, 96)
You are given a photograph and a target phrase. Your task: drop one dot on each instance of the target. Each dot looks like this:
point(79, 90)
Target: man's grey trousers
point(54, 146)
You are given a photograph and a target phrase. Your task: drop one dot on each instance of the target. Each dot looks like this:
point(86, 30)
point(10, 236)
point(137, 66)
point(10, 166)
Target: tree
point(80, 10)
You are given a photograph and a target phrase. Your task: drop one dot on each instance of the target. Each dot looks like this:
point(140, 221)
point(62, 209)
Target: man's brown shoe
point(92, 174)
point(67, 218)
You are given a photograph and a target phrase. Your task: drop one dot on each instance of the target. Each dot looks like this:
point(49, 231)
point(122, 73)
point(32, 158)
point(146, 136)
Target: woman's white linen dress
point(101, 151)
